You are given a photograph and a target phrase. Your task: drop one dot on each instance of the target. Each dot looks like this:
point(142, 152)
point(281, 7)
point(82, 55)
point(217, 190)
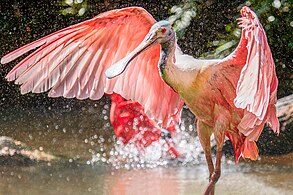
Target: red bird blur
point(234, 96)
point(132, 125)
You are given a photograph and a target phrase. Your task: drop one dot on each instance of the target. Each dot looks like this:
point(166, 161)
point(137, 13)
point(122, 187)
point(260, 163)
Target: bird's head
point(161, 32)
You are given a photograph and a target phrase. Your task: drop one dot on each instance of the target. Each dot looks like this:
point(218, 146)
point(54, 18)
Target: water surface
point(84, 141)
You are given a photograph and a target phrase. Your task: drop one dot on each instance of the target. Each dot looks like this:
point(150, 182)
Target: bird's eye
point(164, 30)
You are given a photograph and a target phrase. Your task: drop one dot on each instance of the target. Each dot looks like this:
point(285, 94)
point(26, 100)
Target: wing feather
point(52, 37)
point(50, 53)
point(254, 85)
point(256, 78)
point(72, 63)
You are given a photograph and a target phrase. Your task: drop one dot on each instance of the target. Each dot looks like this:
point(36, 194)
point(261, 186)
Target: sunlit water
point(75, 178)
point(95, 162)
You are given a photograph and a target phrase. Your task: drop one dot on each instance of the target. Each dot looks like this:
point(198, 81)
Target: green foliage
point(181, 16)
point(275, 15)
point(73, 7)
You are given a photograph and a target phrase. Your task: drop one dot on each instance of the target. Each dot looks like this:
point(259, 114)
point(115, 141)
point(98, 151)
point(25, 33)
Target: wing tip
point(245, 10)
point(9, 77)
point(5, 60)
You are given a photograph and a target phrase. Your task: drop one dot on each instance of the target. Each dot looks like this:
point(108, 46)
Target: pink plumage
point(234, 96)
point(258, 71)
point(71, 63)
point(131, 125)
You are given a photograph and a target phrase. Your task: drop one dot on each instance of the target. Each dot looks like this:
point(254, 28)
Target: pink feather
point(72, 63)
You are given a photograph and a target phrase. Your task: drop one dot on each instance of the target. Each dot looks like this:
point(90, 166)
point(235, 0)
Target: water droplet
point(277, 4)
point(271, 18)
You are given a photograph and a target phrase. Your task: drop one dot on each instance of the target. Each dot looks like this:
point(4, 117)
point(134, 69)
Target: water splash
point(131, 157)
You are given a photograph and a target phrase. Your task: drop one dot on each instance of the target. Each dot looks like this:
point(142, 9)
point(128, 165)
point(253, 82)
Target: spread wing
point(247, 78)
point(257, 85)
point(71, 63)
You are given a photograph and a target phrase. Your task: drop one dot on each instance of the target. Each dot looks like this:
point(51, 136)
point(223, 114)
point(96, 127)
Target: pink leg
point(211, 171)
point(204, 134)
point(219, 136)
point(215, 175)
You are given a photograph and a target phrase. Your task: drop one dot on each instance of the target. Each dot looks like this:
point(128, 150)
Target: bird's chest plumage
point(194, 88)
point(214, 97)
point(202, 97)
point(204, 91)
point(205, 86)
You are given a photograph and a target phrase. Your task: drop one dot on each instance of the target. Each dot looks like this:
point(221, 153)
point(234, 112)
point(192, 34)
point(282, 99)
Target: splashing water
point(129, 156)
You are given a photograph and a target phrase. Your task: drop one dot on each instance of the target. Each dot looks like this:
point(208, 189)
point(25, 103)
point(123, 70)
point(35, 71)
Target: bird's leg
point(204, 133)
point(219, 137)
point(208, 155)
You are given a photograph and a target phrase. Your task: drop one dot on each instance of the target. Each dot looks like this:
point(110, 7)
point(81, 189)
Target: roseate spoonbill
point(132, 125)
point(234, 96)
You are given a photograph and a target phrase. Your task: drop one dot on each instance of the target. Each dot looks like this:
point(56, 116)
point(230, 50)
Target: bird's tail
point(249, 150)
point(243, 147)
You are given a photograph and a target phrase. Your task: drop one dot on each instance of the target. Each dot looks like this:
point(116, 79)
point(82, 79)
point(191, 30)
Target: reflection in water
point(74, 178)
point(93, 159)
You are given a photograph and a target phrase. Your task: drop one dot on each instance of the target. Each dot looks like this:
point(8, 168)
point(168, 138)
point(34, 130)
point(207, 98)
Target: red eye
point(164, 30)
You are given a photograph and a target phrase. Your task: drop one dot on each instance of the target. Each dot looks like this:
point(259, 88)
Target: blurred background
point(79, 131)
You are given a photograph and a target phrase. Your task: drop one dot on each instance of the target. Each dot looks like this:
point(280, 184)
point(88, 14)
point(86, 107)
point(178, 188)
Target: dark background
point(22, 22)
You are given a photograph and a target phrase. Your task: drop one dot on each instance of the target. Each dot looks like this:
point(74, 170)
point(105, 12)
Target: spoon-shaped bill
point(120, 66)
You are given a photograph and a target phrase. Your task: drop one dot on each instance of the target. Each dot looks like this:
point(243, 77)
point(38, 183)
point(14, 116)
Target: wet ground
point(91, 161)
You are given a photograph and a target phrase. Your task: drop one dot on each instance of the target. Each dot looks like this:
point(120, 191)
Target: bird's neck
point(167, 52)
point(166, 64)
point(170, 73)
point(181, 71)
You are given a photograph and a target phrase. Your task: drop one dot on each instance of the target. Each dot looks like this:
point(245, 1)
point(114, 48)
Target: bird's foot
point(213, 180)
